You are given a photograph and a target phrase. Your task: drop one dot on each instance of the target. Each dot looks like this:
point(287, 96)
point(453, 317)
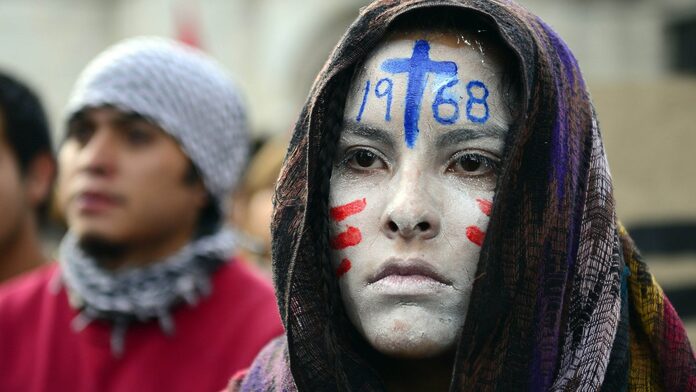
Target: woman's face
point(412, 185)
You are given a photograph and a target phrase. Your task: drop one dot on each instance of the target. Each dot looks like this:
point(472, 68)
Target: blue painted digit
point(388, 92)
point(364, 100)
point(417, 67)
point(440, 100)
point(474, 100)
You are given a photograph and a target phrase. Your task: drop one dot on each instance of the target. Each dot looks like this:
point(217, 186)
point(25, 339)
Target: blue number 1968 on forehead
point(417, 67)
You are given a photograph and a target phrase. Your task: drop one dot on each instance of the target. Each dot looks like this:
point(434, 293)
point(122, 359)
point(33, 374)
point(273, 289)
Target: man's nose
point(414, 210)
point(98, 155)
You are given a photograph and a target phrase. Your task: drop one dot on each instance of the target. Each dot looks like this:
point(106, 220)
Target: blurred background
point(638, 58)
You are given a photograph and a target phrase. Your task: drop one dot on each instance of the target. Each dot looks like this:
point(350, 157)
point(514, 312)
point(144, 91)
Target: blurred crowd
point(155, 206)
point(35, 220)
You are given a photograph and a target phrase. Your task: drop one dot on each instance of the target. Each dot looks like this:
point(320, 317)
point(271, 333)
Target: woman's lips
point(407, 276)
point(406, 268)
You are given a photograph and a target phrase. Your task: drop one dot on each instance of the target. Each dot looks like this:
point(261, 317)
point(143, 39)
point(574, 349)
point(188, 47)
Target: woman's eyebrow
point(381, 136)
point(466, 134)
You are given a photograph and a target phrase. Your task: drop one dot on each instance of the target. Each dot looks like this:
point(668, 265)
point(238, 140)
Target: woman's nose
point(413, 211)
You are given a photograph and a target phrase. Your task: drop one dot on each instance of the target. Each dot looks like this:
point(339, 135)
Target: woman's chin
point(412, 341)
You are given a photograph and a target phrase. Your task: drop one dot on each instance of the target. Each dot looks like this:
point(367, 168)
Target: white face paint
point(408, 215)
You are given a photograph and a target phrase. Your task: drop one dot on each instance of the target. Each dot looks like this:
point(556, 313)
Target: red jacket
point(221, 335)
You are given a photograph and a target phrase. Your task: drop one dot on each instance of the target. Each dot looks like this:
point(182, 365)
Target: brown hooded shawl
point(564, 301)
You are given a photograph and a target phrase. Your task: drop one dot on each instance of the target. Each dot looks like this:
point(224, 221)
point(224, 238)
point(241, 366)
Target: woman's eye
point(364, 159)
point(474, 165)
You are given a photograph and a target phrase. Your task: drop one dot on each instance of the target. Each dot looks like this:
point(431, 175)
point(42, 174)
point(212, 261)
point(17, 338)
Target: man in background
point(146, 294)
point(27, 169)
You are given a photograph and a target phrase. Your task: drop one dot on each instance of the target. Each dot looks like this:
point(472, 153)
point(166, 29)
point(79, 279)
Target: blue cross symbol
point(417, 68)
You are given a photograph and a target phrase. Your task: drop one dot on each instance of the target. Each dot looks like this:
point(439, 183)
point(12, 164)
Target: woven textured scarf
point(563, 302)
point(140, 294)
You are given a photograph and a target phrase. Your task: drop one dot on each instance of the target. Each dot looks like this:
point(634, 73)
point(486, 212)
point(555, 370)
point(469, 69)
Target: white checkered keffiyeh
point(144, 293)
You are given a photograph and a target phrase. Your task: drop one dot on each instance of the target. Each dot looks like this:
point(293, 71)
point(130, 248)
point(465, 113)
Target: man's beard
point(106, 253)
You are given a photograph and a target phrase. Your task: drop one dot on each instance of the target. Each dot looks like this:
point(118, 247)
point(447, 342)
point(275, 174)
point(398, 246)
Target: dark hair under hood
point(564, 301)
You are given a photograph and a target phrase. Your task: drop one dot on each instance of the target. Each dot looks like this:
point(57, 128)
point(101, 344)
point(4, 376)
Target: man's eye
point(138, 136)
point(364, 159)
point(81, 133)
point(474, 165)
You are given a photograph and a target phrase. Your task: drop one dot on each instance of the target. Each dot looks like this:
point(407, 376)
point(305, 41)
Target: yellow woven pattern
point(646, 309)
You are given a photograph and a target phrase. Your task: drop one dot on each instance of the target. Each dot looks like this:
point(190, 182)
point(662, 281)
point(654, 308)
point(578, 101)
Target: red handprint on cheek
point(342, 212)
point(343, 268)
point(474, 233)
point(352, 236)
point(485, 206)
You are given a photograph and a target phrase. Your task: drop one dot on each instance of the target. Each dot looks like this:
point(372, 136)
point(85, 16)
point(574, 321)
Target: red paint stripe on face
point(485, 206)
point(343, 268)
point(350, 237)
point(342, 212)
point(475, 235)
